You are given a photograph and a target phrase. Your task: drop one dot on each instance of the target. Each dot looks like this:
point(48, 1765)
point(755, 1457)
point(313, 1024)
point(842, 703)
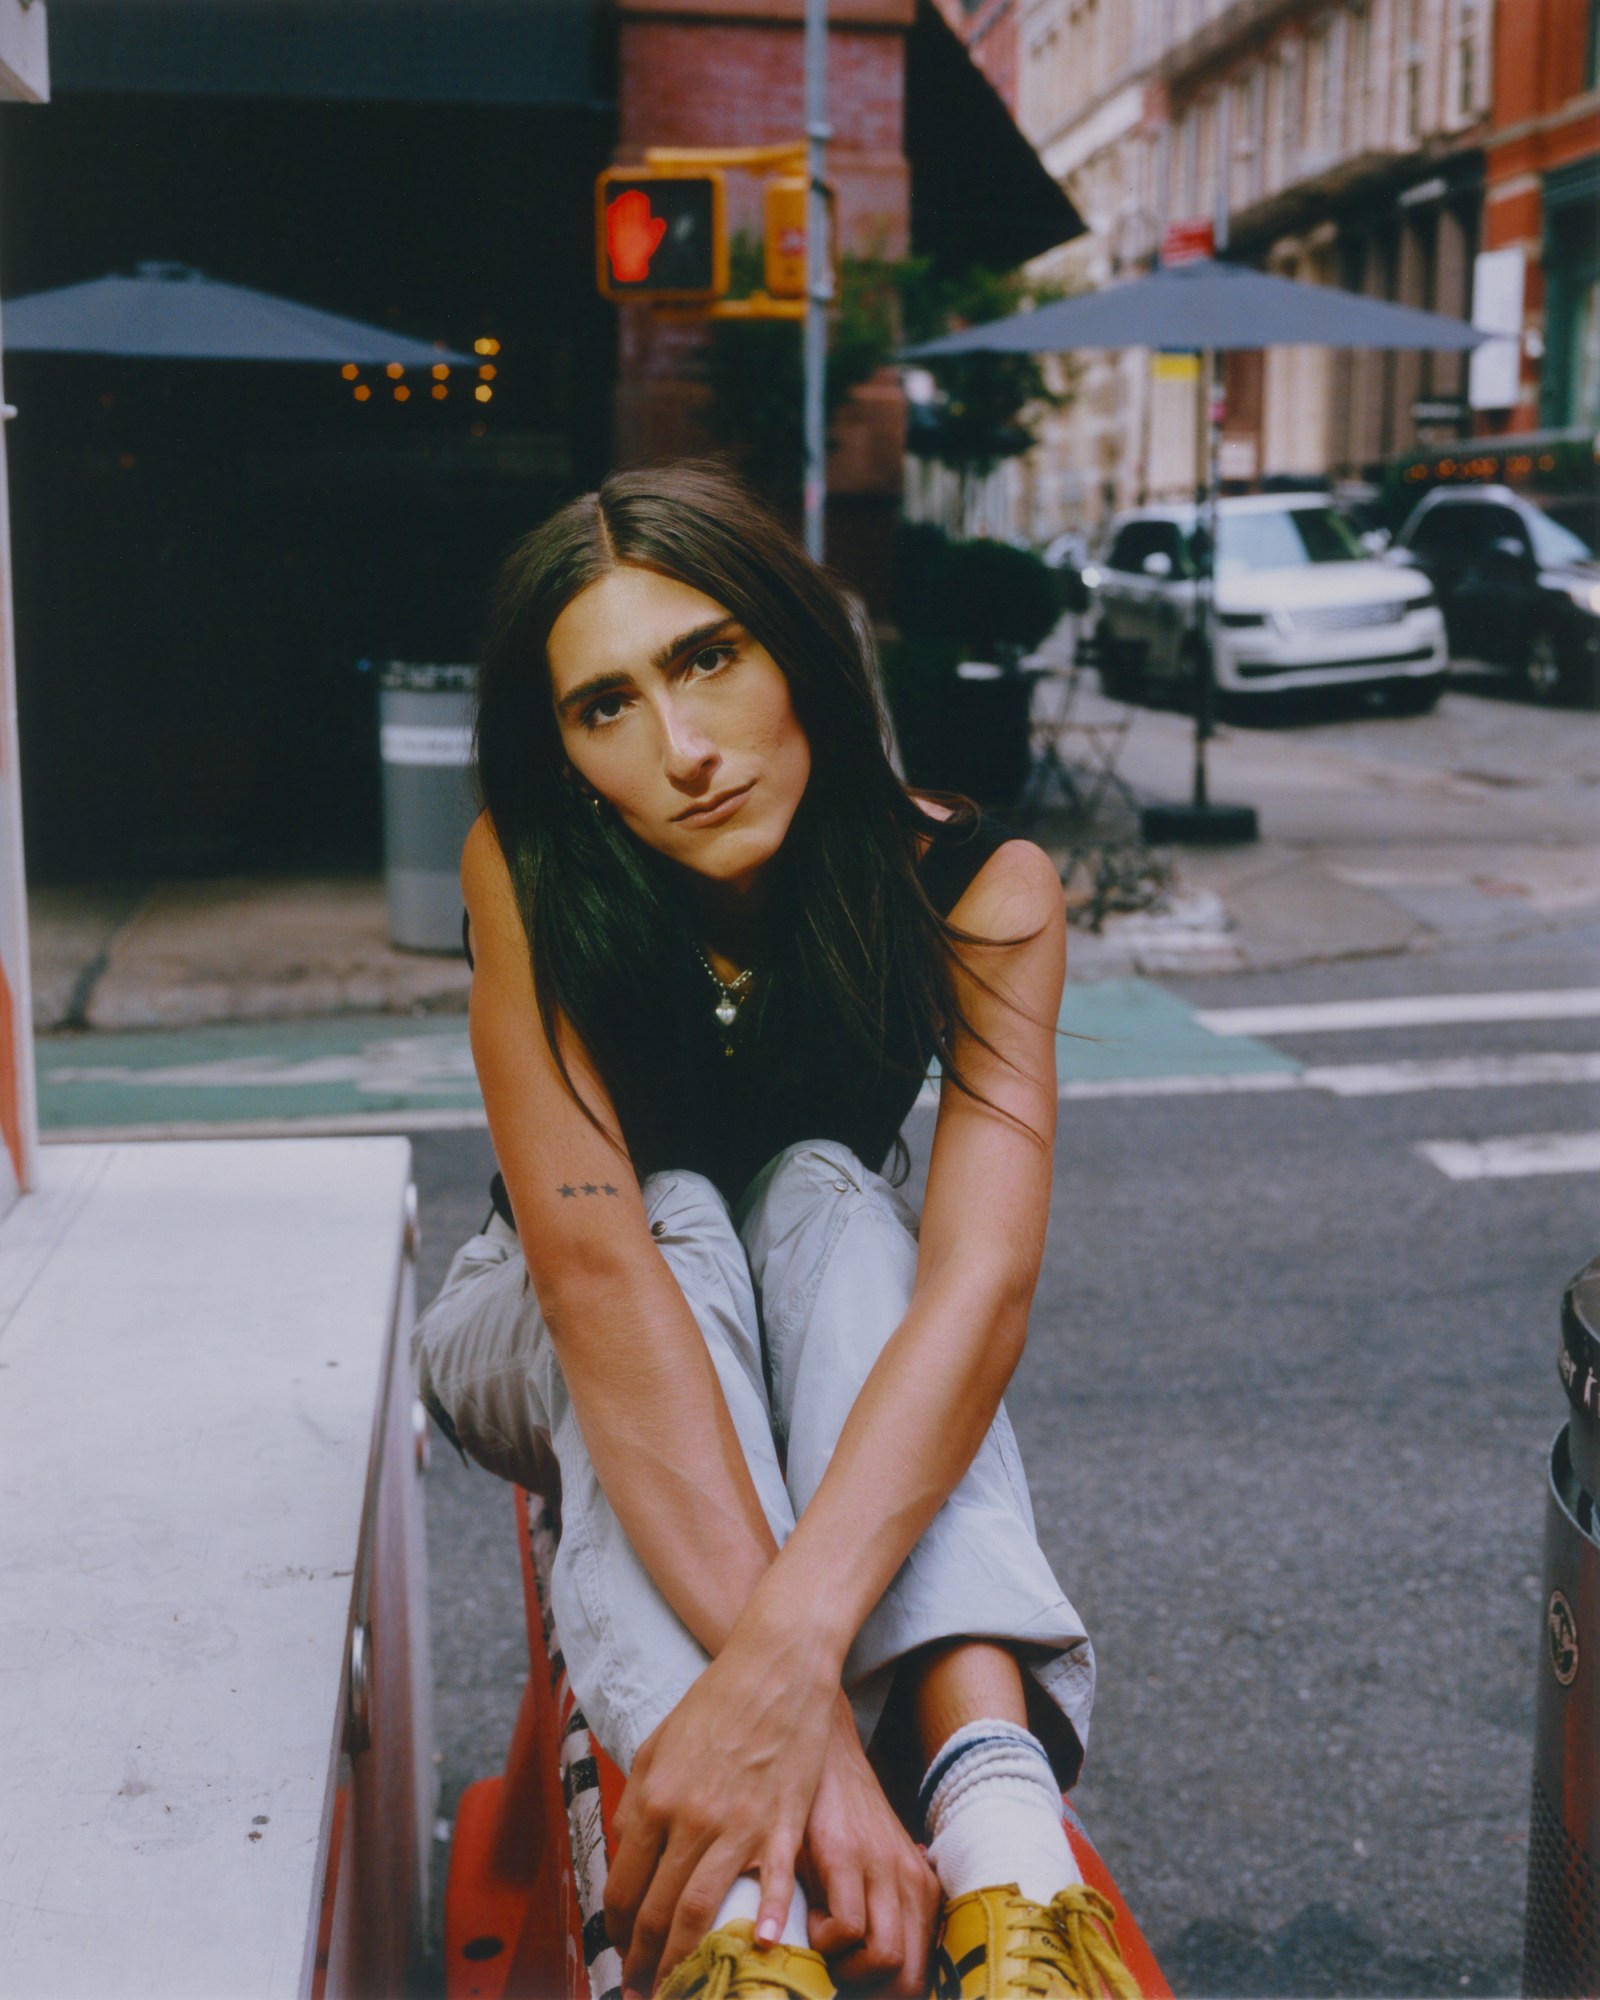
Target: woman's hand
point(875, 1899)
point(723, 1788)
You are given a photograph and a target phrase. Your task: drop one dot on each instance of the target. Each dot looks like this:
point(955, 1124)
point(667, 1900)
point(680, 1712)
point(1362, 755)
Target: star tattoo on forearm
point(568, 1192)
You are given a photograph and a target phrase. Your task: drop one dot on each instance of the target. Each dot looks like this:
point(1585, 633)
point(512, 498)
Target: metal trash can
point(1561, 1935)
point(425, 741)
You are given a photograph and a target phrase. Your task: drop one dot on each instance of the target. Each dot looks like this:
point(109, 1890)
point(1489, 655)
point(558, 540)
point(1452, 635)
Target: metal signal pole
point(819, 273)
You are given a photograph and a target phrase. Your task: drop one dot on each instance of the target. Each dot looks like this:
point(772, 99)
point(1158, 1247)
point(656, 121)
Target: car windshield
point(1554, 544)
point(1282, 538)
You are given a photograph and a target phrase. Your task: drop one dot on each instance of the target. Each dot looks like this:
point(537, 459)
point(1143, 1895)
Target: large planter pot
point(966, 730)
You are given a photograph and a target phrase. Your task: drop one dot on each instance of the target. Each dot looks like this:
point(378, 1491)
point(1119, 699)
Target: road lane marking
point(1219, 1083)
point(1415, 1010)
point(1514, 1158)
point(1507, 1072)
point(1527, 1071)
point(1524, 1072)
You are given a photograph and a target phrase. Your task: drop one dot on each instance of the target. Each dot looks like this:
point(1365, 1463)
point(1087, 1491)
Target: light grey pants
point(795, 1296)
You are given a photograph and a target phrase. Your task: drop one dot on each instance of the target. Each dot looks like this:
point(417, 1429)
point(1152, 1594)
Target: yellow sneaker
point(728, 1963)
point(997, 1945)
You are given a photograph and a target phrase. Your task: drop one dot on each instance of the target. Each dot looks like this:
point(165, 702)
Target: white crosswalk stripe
point(1514, 1158)
point(1389, 1079)
point(1414, 1010)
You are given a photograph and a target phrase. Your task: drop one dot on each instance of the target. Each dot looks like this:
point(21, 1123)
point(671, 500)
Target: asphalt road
point(1284, 1409)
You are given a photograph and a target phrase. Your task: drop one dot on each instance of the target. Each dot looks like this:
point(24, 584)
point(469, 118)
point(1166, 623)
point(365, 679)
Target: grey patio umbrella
point(1209, 306)
point(170, 312)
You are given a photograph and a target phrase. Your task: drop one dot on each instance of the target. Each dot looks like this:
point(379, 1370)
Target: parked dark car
point(1517, 589)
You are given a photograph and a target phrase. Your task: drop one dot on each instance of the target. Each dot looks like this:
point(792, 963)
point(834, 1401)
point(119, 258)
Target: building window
point(1290, 124)
point(1205, 179)
point(1360, 81)
point(1321, 84)
point(1243, 142)
point(1412, 56)
point(1466, 57)
point(1569, 385)
point(1585, 407)
point(1188, 177)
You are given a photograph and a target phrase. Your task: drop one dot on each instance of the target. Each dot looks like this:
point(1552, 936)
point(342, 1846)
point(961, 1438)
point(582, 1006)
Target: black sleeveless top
point(726, 1115)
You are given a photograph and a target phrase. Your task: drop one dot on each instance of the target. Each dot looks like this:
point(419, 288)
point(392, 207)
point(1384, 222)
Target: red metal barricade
point(524, 1916)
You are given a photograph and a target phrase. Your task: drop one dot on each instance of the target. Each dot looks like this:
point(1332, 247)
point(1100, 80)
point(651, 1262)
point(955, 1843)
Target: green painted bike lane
point(388, 1073)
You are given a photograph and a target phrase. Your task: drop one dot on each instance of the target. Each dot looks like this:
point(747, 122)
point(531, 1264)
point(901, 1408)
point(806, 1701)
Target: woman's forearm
point(913, 1431)
point(658, 1430)
point(664, 1447)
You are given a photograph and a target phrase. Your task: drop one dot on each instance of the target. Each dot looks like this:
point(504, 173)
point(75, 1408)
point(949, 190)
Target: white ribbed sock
point(993, 1814)
point(743, 1900)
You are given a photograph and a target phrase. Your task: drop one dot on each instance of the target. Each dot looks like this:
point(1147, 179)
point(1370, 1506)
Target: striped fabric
point(581, 1790)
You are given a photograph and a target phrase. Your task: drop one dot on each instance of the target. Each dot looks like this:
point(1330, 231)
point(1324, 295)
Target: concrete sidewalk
point(184, 954)
point(1380, 835)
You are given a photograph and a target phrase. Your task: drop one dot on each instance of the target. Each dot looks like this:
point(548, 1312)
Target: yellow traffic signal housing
point(661, 234)
point(785, 235)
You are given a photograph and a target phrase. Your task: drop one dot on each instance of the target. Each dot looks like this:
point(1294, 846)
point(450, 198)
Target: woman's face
point(675, 715)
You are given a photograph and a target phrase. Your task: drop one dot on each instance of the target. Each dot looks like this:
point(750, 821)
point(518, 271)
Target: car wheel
point(1543, 670)
point(1415, 697)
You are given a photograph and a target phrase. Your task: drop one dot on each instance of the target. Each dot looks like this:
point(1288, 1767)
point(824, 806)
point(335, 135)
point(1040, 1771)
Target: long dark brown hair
point(861, 963)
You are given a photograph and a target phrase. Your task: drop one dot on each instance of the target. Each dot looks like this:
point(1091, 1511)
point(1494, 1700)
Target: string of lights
point(442, 377)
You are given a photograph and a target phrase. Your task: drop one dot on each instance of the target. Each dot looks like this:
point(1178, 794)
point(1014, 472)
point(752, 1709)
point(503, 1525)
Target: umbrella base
point(1194, 826)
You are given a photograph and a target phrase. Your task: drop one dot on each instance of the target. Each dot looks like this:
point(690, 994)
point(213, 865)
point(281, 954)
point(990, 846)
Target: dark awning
point(980, 194)
point(400, 51)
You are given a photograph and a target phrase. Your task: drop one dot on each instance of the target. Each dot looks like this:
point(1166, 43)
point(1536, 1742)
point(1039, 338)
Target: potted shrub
point(966, 613)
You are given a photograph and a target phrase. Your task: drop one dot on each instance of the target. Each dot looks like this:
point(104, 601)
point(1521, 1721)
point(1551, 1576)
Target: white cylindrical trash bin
point(425, 742)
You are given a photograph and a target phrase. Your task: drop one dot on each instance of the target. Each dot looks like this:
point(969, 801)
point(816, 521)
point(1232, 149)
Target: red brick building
point(924, 156)
point(1542, 198)
point(731, 73)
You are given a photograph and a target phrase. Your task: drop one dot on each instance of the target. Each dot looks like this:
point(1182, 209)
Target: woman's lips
point(721, 808)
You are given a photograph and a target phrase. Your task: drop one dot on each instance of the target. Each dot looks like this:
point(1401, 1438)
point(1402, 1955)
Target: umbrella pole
point(1205, 591)
point(1200, 820)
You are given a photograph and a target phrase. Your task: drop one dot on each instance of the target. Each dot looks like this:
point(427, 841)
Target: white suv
point(1300, 604)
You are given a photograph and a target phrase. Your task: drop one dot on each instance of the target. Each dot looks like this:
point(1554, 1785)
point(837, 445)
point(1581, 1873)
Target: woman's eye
point(710, 658)
point(603, 709)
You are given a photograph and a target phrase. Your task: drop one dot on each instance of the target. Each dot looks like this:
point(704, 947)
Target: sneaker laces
point(1074, 1934)
point(721, 1957)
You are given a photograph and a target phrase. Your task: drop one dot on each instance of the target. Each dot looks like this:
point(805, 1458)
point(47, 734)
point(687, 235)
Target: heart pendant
point(727, 1013)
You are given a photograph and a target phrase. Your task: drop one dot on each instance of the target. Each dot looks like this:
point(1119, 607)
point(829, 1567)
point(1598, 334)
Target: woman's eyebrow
point(663, 656)
point(660, 660)
point(587, 690)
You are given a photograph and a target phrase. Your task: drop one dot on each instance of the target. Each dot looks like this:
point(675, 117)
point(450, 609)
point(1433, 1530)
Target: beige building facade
point(1338, 144)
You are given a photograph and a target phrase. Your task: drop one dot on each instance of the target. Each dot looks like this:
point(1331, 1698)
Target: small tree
point(755, 368)
point(989, 404)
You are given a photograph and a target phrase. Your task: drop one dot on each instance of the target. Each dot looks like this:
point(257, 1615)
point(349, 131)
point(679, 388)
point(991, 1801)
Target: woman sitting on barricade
point(717, 946)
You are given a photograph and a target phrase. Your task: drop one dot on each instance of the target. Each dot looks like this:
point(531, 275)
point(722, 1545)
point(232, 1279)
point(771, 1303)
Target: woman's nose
point(689, 752)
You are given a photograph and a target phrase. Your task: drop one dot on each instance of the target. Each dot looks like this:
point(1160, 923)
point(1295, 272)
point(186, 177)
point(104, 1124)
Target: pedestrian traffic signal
point(660, 235)
point(785, 197)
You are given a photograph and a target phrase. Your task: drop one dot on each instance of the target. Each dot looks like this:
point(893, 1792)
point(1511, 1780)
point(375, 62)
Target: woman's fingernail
point(767, 1931)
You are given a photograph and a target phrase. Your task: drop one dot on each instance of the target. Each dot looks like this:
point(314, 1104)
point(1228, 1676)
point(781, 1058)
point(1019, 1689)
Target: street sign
point(1183, 242)
point(660, 235)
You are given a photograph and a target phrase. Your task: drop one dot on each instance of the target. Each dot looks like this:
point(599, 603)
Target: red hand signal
point(633, 236)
